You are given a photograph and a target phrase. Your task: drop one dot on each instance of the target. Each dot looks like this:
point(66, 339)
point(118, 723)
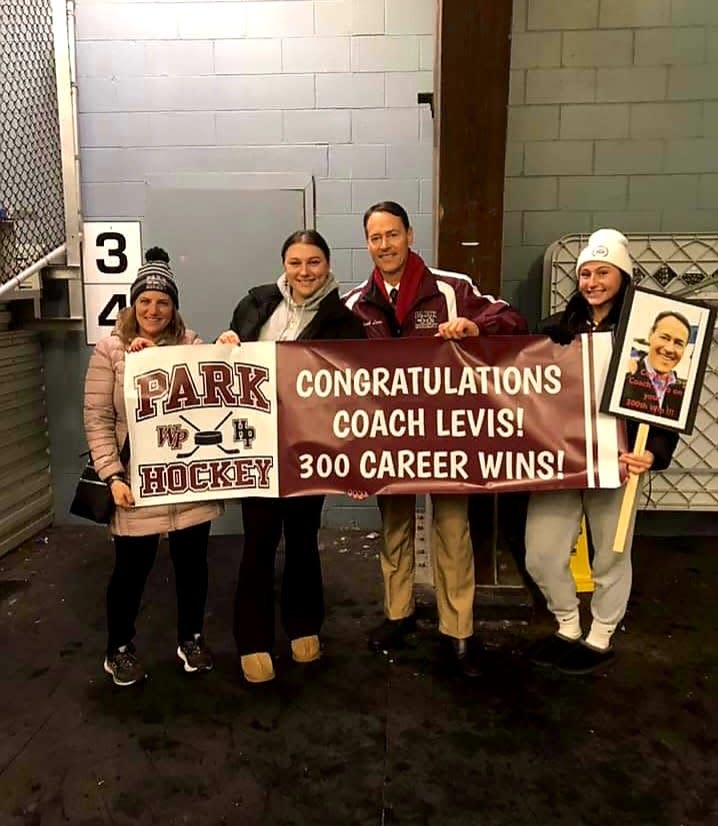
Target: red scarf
point(408, 285)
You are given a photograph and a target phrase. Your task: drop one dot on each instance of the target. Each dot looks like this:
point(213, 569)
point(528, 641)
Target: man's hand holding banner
point(287, 418)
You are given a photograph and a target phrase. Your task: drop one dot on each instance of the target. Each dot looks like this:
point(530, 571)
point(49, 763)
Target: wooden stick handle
point(629, 495)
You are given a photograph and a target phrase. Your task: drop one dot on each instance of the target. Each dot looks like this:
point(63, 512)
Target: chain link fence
point(32, 221)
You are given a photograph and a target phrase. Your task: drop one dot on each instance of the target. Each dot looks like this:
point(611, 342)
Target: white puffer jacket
point(106, 429)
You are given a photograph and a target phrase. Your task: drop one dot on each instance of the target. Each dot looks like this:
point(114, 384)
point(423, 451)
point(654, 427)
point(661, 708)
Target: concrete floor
point(358, 738)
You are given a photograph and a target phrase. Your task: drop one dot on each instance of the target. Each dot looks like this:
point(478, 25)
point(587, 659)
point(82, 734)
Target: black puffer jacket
point(332, 320)
point(575, 319)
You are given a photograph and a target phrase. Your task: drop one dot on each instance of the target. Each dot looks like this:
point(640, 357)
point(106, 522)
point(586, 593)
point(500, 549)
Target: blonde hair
point(127, 327)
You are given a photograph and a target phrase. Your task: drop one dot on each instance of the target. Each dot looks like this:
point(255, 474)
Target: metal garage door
point(25, 489)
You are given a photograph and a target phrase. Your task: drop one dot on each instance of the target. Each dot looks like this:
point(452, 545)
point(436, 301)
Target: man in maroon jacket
point(404, 298)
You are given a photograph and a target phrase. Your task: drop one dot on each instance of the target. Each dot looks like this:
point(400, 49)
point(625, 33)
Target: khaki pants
point(451, 553)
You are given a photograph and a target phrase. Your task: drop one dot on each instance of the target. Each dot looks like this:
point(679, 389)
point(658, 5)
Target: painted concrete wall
point(613, 115)
point(326, 87)
point(613, 121)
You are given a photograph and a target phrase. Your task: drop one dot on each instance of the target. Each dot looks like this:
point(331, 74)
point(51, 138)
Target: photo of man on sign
point(657, 369)
point(652, 384)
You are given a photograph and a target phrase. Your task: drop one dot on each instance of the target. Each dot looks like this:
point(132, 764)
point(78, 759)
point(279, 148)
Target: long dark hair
point(307, 236)
point(578, 310)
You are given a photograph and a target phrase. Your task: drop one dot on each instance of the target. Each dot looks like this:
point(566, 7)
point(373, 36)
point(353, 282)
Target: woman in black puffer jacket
point(304, 304)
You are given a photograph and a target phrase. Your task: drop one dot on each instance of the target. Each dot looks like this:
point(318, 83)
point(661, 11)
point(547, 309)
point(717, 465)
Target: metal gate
point(25, 492)
point(682, 265)
point(32, 225)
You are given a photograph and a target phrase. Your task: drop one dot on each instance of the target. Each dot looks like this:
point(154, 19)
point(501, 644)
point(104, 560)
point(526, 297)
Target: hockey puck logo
point(205, 438)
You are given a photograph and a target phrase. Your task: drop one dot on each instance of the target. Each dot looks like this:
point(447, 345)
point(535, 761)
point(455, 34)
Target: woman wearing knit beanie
point(303, 304)
point(152, 319)
point(553, 523)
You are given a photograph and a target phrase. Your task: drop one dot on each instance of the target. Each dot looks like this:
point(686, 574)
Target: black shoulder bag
point(93, 498)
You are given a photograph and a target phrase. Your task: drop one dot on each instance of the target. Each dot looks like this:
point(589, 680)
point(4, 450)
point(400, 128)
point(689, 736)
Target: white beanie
point(607, 245)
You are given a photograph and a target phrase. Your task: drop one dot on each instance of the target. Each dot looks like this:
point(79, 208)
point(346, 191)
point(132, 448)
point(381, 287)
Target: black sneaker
point(550, 651)
point(390, 634)
point(585, 659)
point(195, 655)
point(124, 667)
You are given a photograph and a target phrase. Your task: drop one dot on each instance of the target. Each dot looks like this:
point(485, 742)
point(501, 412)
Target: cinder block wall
point(323, 87)
point(613, 121)
point(613, 117)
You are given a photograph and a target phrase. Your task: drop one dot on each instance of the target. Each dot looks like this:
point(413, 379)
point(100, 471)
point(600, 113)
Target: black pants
point(134, 558)
point(302, 598)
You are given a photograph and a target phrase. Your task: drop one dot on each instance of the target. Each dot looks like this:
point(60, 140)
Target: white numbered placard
point(102, 303)
point(111, 256)
point(111, 251)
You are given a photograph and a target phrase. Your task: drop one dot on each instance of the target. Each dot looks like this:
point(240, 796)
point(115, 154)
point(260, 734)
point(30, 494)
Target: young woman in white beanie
point(554, 517)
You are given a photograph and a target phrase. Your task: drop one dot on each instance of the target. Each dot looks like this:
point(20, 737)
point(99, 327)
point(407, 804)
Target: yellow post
point(580, 565)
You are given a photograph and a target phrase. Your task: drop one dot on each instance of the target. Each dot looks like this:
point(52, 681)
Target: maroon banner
point(427, 415)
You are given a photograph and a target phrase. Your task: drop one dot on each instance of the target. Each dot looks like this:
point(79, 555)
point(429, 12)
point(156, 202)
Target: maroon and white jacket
point(440, 296)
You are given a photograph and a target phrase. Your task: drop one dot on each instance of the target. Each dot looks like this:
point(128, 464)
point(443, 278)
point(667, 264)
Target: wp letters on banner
point(380, 416)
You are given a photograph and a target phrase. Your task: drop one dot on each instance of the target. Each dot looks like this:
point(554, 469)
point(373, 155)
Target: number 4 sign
point(111, 256)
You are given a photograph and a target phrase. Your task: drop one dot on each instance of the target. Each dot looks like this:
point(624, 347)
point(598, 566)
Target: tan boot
point(257, 667)
point(306, 649)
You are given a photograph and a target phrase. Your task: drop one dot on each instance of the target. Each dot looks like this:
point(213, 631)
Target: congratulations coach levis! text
point(516, 413)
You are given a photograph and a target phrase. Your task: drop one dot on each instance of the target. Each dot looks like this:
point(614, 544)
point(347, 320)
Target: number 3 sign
point(111, 256)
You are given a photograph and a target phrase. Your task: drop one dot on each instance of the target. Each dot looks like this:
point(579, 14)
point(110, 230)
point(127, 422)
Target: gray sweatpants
point(552, 528)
